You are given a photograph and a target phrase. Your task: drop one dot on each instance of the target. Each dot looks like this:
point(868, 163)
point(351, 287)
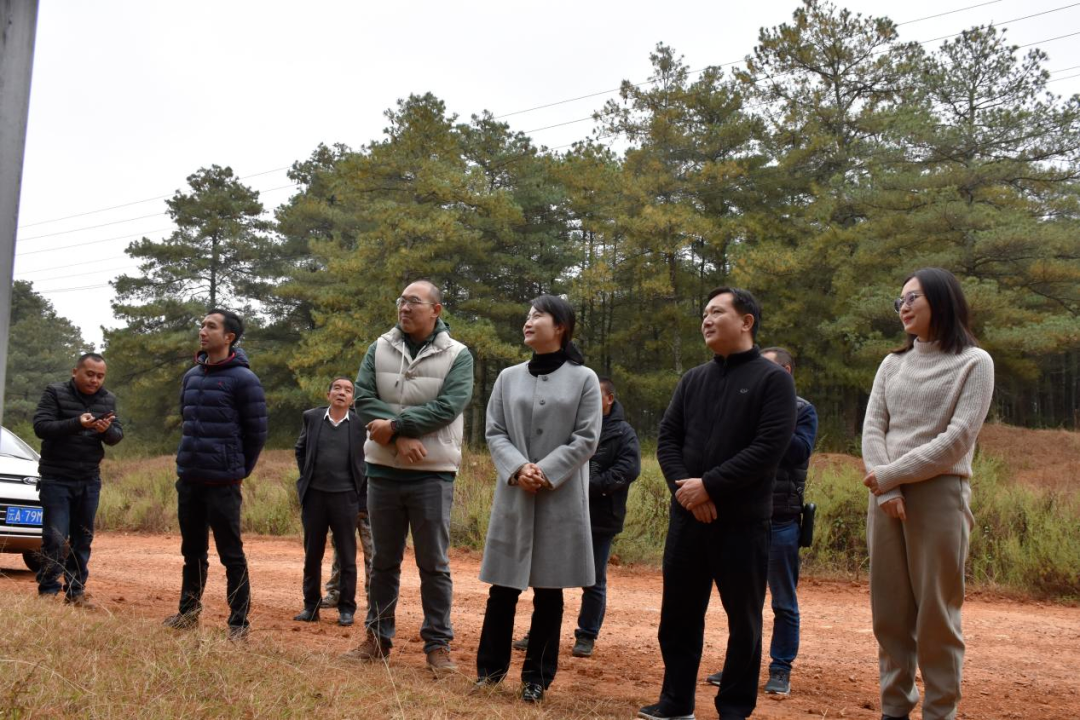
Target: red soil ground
point(1022, 656)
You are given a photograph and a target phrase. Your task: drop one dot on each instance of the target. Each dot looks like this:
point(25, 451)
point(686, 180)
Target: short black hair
point(339, 377)
point(607, 385)
point(782, 356)
point(949, 313)
point(232, 323)
point(436, 293)
point(744, 302)
point(96, 357)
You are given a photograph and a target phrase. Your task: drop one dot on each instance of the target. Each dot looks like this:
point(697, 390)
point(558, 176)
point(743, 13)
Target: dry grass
point(64, 663)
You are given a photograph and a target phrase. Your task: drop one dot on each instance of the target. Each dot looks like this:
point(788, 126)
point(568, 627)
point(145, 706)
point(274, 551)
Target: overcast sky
point(129, 98)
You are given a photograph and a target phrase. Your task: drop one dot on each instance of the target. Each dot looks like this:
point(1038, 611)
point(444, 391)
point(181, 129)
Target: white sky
point(129, 98)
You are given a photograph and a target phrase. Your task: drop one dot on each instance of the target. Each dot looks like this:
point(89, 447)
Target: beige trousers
point(916, 591)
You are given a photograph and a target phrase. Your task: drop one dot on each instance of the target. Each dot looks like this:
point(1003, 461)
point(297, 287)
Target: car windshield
point(12, 446)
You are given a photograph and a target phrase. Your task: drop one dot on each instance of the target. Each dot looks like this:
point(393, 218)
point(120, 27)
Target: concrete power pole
point(18, 25)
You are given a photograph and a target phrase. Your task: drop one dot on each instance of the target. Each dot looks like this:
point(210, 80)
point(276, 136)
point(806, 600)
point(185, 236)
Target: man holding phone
point(74, 420)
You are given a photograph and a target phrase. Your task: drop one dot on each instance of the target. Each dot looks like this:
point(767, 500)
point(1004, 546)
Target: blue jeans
point(423, 506)
point(783, 579)
point(69, 509)
point(594, 599)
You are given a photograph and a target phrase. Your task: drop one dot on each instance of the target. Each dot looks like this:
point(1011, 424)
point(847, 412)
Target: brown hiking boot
point(438, 660)
point(80, 601)
point(374, 648)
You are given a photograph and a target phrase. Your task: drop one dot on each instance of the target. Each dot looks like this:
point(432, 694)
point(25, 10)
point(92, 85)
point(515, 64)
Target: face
point(541, 332)
point(417, 312)
point(607, 399)
point(89, 377)
point(915, 315)
point(212, 335)
point(771, 357)
point(722, 326)
point(341, 394)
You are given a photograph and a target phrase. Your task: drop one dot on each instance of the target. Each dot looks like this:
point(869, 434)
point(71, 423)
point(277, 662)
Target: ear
point(748, 322)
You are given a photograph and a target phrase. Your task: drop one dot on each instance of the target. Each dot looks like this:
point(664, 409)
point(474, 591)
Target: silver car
point(20, 509)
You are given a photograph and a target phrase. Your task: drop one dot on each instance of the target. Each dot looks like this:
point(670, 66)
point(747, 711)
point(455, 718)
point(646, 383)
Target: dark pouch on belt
point(806, 528)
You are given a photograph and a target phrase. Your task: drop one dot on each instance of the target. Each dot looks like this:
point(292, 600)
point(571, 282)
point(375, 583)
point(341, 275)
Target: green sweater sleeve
point(451, 401)
point(366, 400)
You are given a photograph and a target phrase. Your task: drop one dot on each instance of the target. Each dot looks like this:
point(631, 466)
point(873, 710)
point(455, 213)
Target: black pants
point(542, 657)
point(334, 511)
point(735, 556)
point(201, 508)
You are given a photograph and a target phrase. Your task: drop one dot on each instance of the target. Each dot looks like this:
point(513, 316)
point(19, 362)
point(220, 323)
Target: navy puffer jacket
point(224, 414)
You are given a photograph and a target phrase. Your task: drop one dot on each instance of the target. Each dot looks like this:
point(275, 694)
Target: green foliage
point(42, 349)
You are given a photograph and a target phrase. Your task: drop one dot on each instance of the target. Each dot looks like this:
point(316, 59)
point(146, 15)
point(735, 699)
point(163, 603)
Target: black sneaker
point(522, 644)
point(714, 679)
point(779, 683)
point(654, 712)
point(532, 692)
point(583, 647)
point(183, 621)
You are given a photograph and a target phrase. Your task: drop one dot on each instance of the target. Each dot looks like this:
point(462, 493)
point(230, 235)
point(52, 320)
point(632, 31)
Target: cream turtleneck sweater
point(924, 415)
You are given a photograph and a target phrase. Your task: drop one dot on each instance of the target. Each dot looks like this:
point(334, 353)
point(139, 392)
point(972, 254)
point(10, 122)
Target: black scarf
point(547, 363)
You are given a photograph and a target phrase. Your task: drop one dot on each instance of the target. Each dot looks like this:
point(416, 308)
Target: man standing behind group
point(333, 490)
point(223, 410)
point(721, 439)
point(73, 419)
point(413, 385)
point(788, 499)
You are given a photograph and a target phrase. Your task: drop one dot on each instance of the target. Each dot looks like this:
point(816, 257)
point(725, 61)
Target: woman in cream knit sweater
point(927, 406)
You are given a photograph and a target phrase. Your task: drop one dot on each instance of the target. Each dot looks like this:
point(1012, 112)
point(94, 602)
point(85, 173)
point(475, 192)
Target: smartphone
point(102, 417)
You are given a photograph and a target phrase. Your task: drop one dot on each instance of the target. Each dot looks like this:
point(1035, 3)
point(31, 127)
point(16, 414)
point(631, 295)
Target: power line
point(90, 242)
point(137, 202)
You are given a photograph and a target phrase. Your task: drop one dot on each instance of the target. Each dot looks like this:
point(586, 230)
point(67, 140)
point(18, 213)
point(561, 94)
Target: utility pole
point(18, 25)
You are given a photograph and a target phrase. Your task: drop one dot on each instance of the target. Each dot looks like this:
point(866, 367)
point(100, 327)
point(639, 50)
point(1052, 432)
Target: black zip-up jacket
point(729, 423)
point(615, 464)
point(224, 412)
point(68, 450)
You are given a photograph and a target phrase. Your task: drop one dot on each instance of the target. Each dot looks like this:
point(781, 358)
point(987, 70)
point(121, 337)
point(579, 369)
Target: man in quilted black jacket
point(74, 419)
point(223, 410)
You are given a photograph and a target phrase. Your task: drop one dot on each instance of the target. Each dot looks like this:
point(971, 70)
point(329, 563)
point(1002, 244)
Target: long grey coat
point(542, 540)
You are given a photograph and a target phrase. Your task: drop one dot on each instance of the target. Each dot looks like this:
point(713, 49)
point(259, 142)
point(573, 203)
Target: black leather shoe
point(532, 692)
point(308, 615)
point(345, 619)
point(895, 717)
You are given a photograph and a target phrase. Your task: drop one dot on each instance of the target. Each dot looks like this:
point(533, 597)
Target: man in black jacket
point(333, 490)
point(223, 409)
point(74, 419)
point(616, 464)
point(788, 497)
point(721, 439)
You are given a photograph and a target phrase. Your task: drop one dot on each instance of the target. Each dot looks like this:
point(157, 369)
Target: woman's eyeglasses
point(908, 300)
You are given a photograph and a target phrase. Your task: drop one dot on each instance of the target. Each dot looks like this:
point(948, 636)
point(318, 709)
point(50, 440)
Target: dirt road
point(1022, 658)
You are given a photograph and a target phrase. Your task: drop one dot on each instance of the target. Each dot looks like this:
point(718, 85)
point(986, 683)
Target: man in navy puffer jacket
point(224, 429)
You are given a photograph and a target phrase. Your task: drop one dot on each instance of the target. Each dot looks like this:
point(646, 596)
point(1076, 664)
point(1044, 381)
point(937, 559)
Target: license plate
point(24, 516)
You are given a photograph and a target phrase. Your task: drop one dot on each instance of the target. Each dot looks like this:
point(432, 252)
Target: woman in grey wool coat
point(543, 425)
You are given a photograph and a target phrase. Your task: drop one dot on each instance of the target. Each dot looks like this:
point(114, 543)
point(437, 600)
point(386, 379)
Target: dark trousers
point(69, 508)
point(200, 509)
point(735, 556)
point(594, 599)
point(497, 635)
point(335, 512)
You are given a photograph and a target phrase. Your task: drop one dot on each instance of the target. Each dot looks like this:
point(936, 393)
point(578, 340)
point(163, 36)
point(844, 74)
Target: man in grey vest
point(413, 385)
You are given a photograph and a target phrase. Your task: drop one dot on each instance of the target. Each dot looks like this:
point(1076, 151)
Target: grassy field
point(1026, 538)
point(60, 662)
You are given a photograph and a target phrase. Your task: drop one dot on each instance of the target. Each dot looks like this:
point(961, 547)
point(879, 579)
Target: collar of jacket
point(438, 339)
point(737, 359)
point(236, 357)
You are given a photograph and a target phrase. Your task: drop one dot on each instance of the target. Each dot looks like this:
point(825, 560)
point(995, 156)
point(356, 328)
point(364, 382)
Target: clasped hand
point(693, 496)
point(531, 478)
point(893, 508)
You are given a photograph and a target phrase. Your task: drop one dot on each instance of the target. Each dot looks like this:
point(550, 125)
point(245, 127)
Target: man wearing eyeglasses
point(413, 385)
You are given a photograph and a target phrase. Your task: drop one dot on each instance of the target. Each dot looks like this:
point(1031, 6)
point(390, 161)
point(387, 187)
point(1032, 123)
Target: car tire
point(32, 558)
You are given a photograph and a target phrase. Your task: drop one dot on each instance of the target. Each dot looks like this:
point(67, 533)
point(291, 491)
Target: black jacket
point(790, 486)
point(729, 423)
point(68, 450)
point(224, 414)
point(309, 439)
point(616, 464)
